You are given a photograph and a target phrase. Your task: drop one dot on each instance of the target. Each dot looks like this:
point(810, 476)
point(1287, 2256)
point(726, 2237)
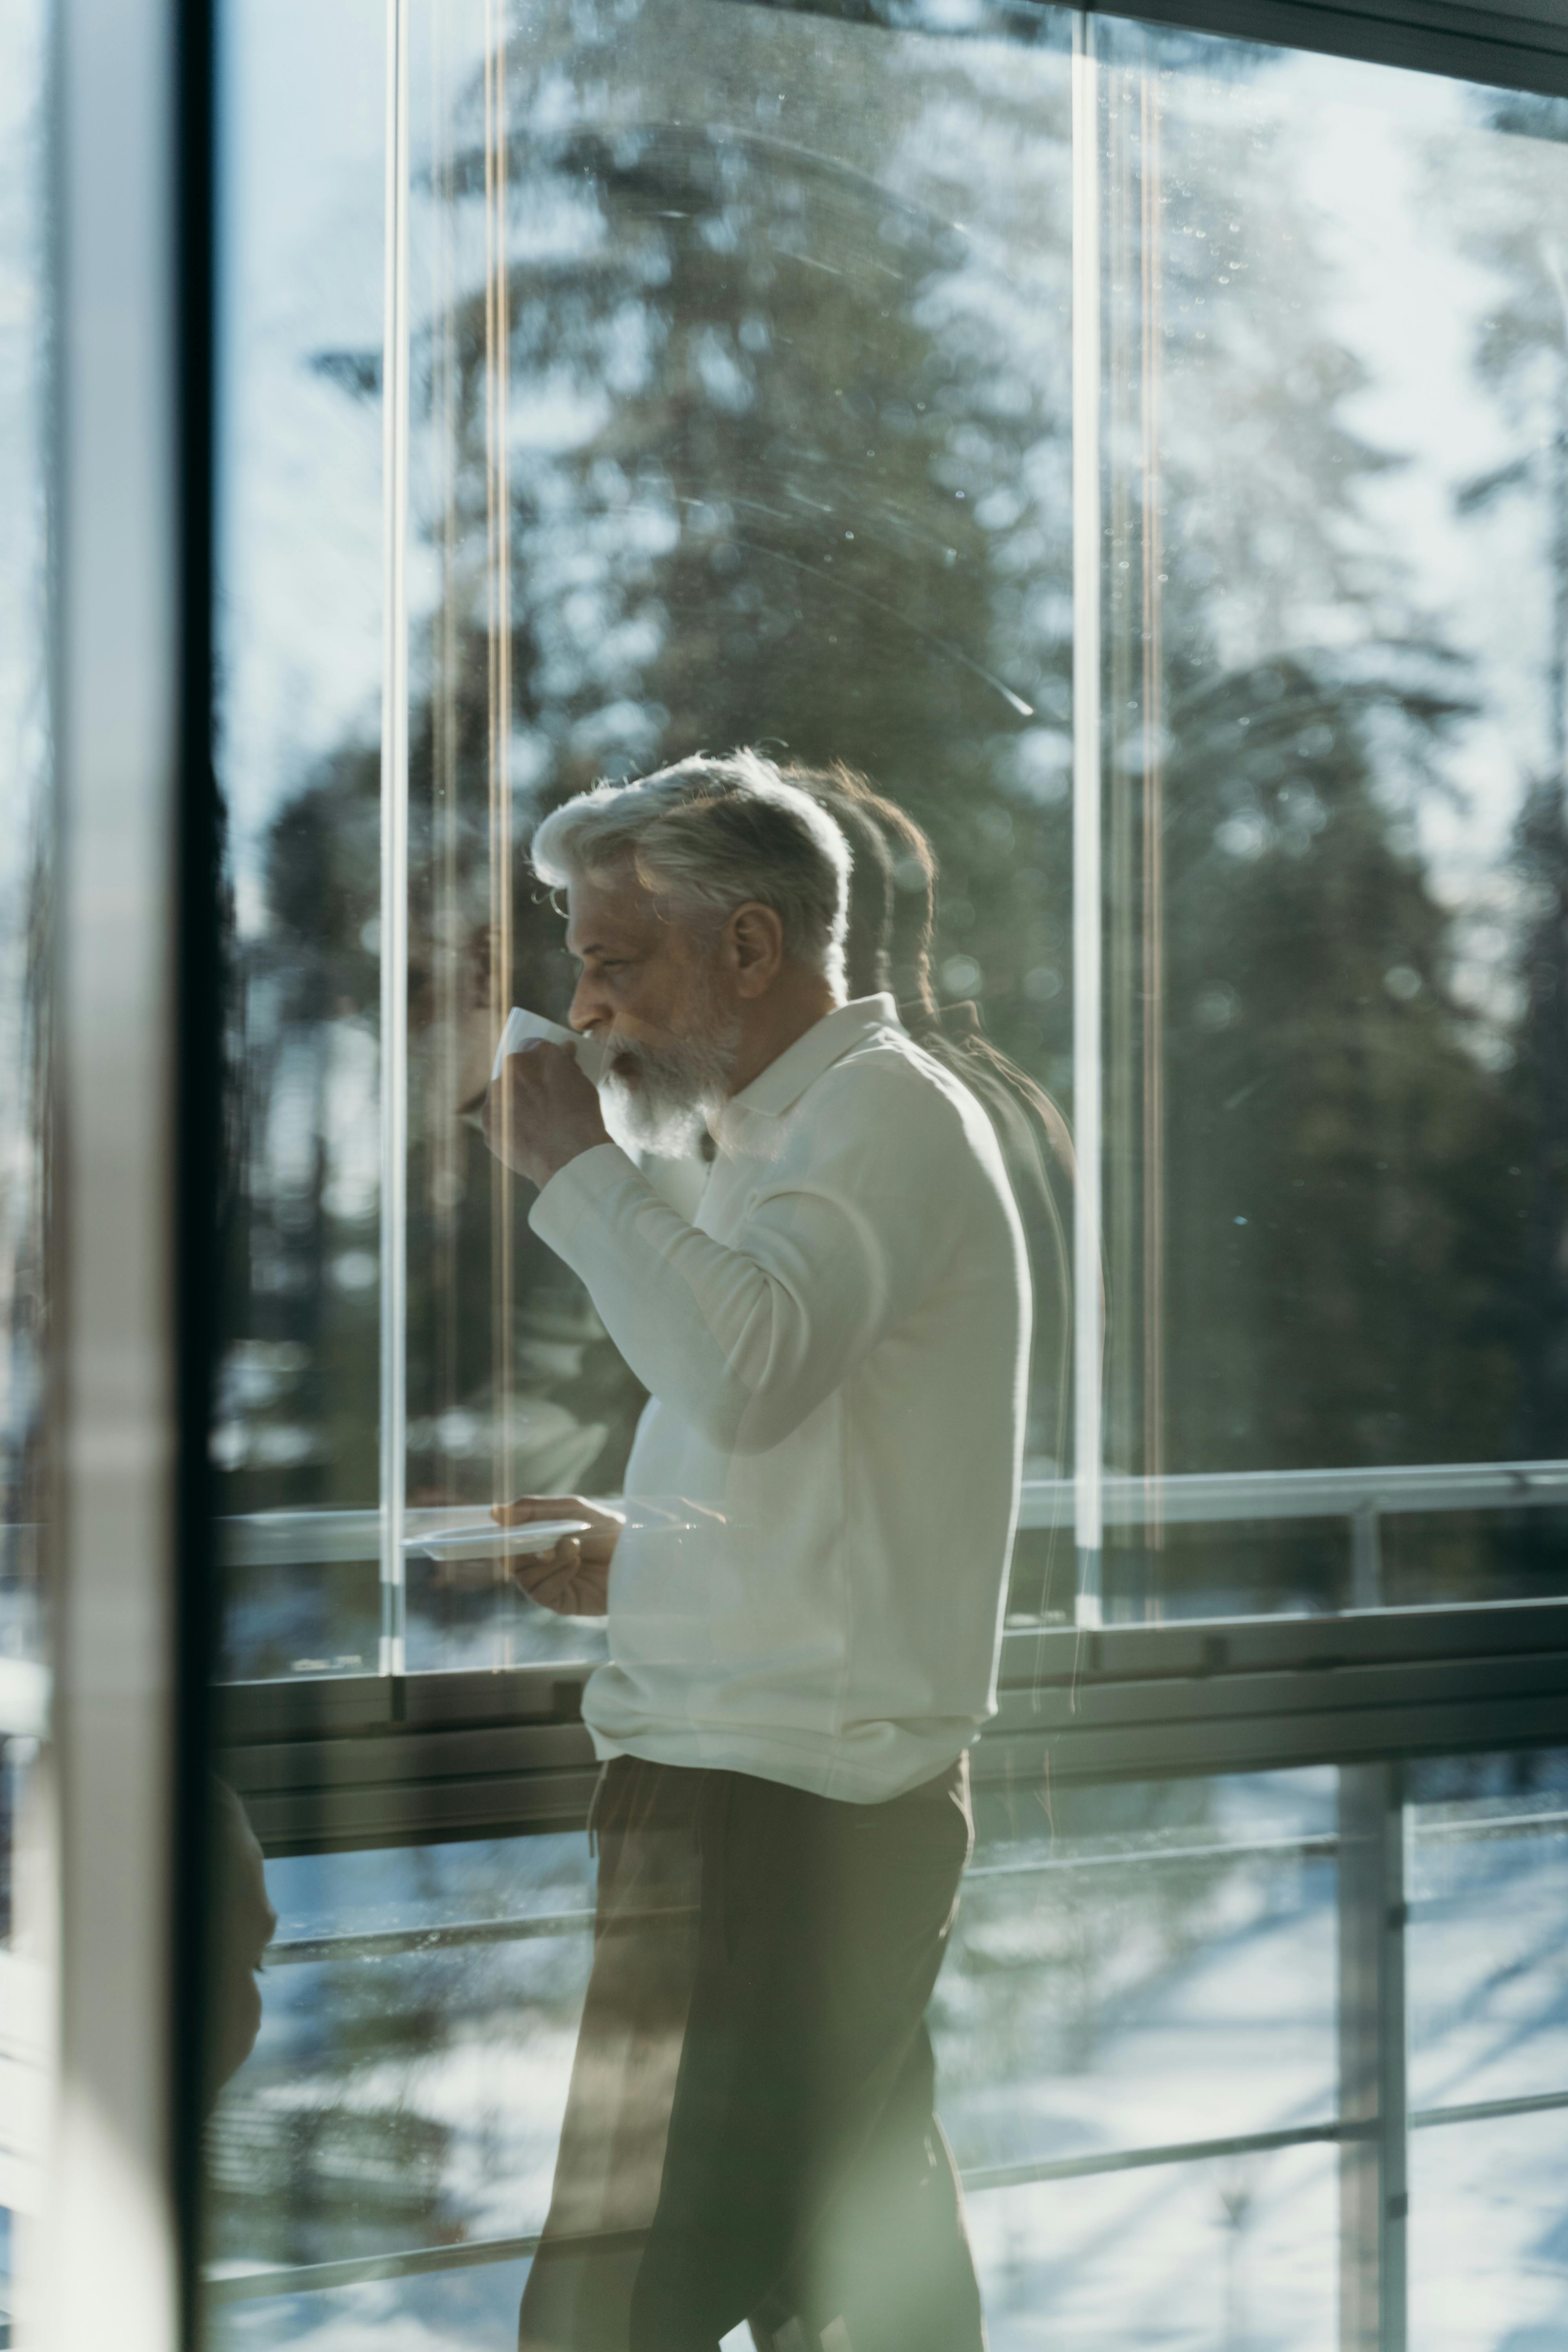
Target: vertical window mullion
point(395, 853)
point(1088, 1312)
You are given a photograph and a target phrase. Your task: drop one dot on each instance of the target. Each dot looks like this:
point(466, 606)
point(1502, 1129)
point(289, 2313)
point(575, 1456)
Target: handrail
point(1193, 1498)
point(317, 2278)
point(1196, 1497)
point(1190, 1497)
point(385, 1943)
point(382, 1943)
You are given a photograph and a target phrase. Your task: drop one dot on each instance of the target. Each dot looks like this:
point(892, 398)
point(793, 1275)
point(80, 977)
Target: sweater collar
point(778, 1087)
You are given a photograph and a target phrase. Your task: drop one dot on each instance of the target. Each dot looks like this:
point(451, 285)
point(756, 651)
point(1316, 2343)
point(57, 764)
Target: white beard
point(665, 1109)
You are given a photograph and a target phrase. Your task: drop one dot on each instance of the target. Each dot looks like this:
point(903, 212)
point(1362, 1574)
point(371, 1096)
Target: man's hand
point(574, 1579)
point(541, 1112)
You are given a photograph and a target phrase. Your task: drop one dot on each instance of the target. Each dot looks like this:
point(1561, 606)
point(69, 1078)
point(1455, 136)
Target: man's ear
point(753, 944)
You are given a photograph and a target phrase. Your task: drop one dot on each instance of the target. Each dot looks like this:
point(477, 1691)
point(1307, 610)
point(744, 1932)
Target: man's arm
point(745, 1342)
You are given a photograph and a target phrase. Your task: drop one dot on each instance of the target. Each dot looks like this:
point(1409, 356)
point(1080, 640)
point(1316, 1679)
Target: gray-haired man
point(803, 1595)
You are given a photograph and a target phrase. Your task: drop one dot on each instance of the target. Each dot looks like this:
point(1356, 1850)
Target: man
point(803, 1597)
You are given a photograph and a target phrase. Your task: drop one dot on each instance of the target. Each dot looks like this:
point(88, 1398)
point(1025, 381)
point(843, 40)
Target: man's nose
point(590, 1007)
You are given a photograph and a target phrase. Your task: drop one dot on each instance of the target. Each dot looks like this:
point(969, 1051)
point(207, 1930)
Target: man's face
point(657, 997)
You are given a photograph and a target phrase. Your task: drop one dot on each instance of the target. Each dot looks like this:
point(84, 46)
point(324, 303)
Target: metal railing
point(1359, 1498)
point(1194, 1498)
point(317, 2278)
point(1364, 2133)
point(1362, 1499)
point(530, 1926)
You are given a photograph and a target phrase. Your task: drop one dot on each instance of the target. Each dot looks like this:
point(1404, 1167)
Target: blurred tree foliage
point(789, 451)
point(789, 461)
point(1505, 220)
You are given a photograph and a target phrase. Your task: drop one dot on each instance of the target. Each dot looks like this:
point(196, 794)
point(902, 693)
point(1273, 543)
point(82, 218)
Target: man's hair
point(708, 834)
point(868, 934)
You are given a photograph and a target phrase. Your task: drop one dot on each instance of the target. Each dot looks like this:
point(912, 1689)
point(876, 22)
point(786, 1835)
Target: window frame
point(335, 1764)
point(1193, 1696)
point(400, 1759)
point(134, 121)
point(1510, 48)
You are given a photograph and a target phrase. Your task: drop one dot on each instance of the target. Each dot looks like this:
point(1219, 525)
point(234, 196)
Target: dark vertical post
point(1374, 2181)
point(200, 985)
point(1366, 1557)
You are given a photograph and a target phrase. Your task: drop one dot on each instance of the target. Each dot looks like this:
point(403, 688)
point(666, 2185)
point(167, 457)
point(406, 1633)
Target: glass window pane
point(1157, 1969)
point(27, 947)
point(1228, 2253)
point(1333, 385)
point(407, 2087)
point(660, 501)
point(1488, 2261)
point(1488, 1880)
point(1152, 1964)
point(739, 349)
point(752, 324)
point(298, 624)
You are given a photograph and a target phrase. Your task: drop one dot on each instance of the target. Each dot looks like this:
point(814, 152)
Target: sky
point(21, 425)
point(303, 193)
point(1410, 302)
point(303, 148)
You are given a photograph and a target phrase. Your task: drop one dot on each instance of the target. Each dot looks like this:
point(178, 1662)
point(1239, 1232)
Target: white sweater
point(824, 1487)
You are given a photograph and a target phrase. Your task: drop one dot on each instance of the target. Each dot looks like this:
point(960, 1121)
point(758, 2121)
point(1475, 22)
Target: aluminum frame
point(338, 1763)
point(1492, 41)
point(118, 708)
point(1511, 47)
point(394, 1138)
point(134, 1117)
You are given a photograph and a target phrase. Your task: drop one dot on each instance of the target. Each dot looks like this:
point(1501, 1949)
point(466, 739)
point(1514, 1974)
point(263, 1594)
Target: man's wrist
point(547, 1167)
point(573, 1202)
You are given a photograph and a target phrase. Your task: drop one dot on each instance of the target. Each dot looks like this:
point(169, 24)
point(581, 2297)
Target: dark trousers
point(750, 2131)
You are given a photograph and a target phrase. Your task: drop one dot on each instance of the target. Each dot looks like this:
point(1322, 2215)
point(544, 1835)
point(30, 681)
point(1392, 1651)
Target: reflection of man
point(243, 1922)
point(804, 1596)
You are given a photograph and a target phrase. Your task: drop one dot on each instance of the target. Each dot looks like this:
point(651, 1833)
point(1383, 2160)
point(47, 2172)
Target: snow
point(1139, 2003)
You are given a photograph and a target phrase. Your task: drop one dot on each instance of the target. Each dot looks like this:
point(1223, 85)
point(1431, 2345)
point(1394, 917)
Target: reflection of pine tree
point(787, 465)
point(1521, 356)
point(313, 968)
point(27, 1040)
point(322, 2180)
point(1331, 1135)
point(1337, 1271)
point(803, 438)
point(381, 2109)
point(1538, 1089)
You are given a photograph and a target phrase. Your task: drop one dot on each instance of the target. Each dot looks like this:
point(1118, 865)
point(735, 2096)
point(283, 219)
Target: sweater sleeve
point(745, 1342)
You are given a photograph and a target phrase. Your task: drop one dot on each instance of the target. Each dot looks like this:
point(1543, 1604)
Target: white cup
point(521, 1030)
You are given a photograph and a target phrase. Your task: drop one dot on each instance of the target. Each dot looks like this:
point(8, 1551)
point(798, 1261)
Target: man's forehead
point(608, 909)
